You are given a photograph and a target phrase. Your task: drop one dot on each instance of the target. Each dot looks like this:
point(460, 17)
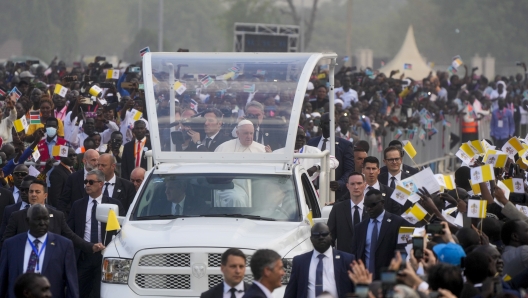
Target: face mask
point(51, 131)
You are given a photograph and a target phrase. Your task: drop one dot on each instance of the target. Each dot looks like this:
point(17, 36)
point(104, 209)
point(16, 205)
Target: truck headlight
point(287, 264)
point(116, 270)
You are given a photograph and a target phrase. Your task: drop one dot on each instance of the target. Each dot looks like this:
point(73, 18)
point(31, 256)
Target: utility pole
point(140, 14)
point(160, 27)
point(302, 27)
point(349, 33)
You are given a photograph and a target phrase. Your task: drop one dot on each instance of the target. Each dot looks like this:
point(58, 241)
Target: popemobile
point(195, 204)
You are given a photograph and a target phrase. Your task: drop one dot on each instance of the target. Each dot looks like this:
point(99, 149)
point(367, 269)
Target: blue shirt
point(508, 124)
point(369, 235)
point(50, 145)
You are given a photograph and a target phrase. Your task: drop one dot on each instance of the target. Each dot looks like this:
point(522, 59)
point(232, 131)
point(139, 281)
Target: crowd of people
point(88, 134)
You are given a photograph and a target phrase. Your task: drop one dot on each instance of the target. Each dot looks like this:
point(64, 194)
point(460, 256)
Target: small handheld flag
point(17, 93)
point(112, 74)
point(34, 117)
point(60, 90)
point(477, 208)
point(112, 223)
point(60, 150)
point(407, 66)
point(143, 51)
point(20, 124)
point(95, 91)
point(179, 87)
point(408, 147)
point(135, 114)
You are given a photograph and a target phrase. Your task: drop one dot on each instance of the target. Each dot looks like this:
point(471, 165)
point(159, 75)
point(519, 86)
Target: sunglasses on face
point(320, 234)
point(91, 182)
point(20, 174)
point(24, 189)
point(72, 155)
point(372, 205)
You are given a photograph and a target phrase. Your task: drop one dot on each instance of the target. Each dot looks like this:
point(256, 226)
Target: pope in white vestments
point(244, 141)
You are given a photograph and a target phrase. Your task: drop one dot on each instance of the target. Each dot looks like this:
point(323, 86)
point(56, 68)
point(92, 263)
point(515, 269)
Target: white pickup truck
point(231, 199)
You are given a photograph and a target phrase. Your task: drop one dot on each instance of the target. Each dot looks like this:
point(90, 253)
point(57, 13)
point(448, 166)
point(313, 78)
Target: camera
point(100, 58)
point(106, 85)
point(194, 123)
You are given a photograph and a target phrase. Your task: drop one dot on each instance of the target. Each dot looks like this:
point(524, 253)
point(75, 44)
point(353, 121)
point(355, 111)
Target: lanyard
point(38, 253)
point(297, 159)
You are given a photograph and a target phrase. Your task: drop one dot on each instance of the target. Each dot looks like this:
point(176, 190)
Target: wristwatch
point(199, 143)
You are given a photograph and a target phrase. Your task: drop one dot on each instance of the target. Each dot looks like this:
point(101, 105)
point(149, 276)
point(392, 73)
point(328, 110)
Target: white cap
point(337, 100)
point(310, 86)
point(244, 122)
point(316, 114)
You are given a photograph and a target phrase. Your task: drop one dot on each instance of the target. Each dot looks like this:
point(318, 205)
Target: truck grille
point(164, 281)
point(215, 260)
point(178, 271)
point(166, 260)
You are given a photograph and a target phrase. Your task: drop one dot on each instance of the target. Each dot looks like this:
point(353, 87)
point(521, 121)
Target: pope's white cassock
point(236, 146)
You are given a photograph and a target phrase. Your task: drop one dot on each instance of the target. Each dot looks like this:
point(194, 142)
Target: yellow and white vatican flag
point(477, 208)
point(482, 174)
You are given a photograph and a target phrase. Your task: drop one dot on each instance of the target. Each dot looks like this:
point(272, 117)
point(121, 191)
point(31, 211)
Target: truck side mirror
point(101, 213)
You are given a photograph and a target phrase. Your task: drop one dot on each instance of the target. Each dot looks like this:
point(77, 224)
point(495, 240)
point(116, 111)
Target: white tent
point(408, 60)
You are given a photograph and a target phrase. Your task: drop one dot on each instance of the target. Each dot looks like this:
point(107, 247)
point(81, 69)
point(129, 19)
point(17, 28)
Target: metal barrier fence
point(432, 151)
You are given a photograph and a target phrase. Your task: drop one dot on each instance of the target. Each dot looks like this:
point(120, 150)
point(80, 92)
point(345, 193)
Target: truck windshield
point(260, 197)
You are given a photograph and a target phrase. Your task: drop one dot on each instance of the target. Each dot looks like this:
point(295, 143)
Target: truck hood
point(210, 232)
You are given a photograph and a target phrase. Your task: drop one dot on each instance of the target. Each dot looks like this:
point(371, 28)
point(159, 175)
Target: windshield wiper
point(240, 215)
point(163, 216)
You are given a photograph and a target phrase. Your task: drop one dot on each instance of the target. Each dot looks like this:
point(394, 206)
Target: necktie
point(256, 136)
point(319, 276)
point(232, 290)
point(177, 209)
point(207, 142)
point(27, 206)
point(33, 258)
point(373, 243)
point(105, 192)
point(138, 154)
point(393, 183)
point(94, 231)
point(356, 215)
point(323, 148)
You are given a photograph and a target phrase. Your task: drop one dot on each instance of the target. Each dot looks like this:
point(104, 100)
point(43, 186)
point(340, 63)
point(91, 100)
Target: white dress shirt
point(238, 294)
point(23, 205)
point(397, 176)
point(320, 145)
point(182, 204)
point(28, 249)
point(329, 283)
point(88, 225)
point(264, 289)
point(16, 194)
point(111, 186)
point(360, 210)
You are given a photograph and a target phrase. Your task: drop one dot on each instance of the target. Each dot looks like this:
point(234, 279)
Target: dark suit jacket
point(128, 160)
point(17, 224)
point(344, 153)
point(77, 219)
point(57, 178)
point(6, 199)
point(59, 265)
point(254, 292)
point(73, 190)
point(405, 168)
point(341, 226)
point(220, 138)
point(218, 291)
point(5, 217)
point(124, 191)
point(298, 285)
point(387, 240)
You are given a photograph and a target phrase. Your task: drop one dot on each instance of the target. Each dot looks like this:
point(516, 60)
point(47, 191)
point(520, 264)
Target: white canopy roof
point(409, 55)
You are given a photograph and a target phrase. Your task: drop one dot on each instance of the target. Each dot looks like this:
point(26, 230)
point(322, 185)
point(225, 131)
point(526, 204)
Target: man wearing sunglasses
point(74, 189)
point(376, 238)
point(322, 270)
point(83, 222)
point(19, 173)
point(393, 157)
point(23, 203)
point(38, 194)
